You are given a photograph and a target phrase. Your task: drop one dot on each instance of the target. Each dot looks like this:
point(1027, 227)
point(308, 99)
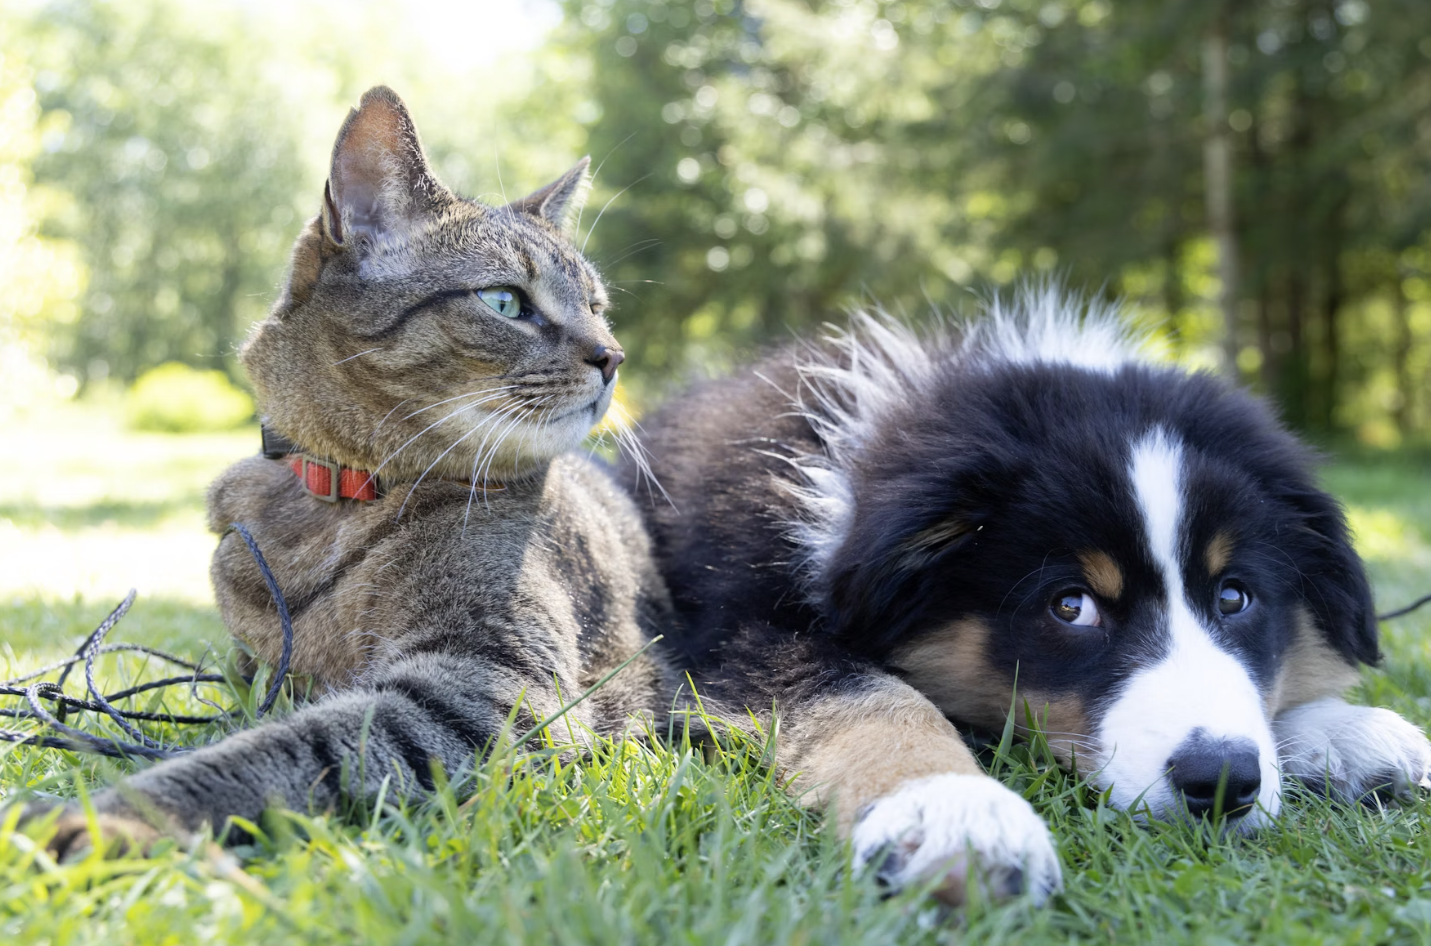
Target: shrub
point(174, 398)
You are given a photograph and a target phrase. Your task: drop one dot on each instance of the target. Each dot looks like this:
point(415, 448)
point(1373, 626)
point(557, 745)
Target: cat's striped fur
point(497, 576)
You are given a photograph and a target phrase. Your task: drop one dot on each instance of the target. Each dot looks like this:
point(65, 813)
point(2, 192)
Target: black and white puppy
point(882, 531)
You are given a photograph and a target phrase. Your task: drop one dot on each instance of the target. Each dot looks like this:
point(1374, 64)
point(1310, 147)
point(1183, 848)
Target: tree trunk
point(1332, 300)
point(1296, 195)
point(1173, 292)
point(1401, 358)
point(1217, 182)
point(1260, 266)
point(1296, 379)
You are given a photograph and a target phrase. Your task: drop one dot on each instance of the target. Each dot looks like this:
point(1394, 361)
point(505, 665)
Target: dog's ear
point(1333, 581)
point(882, 577)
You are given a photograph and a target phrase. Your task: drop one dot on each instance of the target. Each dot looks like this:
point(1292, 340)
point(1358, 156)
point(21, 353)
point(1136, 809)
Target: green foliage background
point(763, 164)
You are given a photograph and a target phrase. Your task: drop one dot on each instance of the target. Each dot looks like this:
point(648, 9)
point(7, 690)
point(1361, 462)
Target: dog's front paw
point(965, 830)
point(70, 836)
point(1353, 752)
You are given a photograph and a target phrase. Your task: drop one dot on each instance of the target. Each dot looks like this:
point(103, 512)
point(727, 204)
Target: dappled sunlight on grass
point(1389, 508)
point(34, 628)
point(634, 843)
point(90, 510)
point(1382, 534)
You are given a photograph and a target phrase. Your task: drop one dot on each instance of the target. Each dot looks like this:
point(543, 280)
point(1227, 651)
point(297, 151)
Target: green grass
point(642, 843)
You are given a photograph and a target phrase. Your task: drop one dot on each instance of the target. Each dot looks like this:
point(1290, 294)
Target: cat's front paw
point(967, 831)
point(1353, 751)
point(69, 836)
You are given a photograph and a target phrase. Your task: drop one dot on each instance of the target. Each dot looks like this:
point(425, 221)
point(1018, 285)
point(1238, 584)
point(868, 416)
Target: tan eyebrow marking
point(1219, 553)
point(1103, 574)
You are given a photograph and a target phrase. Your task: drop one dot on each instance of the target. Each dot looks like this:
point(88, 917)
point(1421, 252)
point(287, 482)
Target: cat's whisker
point(480, 424)
point(597, 441)
point(458, 397)
point(471, 490)
point(521, 412)
point(351, 357)
point(639, 246)
point(548, 414)
point(497, 445)
point(411, 440)
point(524, 440)
point(633, 295)
point(624, 429)
point(394, 408)
point(582, 209)
point(471, 493)
point(460, 410)
point(498, 417)
point(604, 208)
point(516, 409)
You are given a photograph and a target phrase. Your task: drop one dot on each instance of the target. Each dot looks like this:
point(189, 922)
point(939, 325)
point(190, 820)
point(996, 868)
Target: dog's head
point(1137, 557)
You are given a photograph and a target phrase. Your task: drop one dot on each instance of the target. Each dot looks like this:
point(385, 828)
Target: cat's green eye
point(502, 300)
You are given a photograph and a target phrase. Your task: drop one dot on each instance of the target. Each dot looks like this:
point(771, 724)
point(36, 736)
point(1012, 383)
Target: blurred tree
point(179, 154)
point(1330, 164)
point(764, 163)
point(193, 141)
point(42, 278)
point(770, 155)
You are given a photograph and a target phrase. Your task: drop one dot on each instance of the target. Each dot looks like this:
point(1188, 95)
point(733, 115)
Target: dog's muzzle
point(1216, 776)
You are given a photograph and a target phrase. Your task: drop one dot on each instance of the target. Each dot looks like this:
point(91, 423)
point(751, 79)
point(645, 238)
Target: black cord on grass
point(281, 673)
point(144, 746)
point(37, 691)
point(1402, 612)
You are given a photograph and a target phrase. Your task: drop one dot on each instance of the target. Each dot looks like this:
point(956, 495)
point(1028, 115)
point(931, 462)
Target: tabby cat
point(435, 358)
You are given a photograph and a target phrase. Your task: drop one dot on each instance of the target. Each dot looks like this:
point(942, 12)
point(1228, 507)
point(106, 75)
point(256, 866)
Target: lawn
point(640, 844)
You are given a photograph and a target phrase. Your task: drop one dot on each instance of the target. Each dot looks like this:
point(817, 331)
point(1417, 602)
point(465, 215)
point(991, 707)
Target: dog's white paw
point(1352, 751)
point(966, 830)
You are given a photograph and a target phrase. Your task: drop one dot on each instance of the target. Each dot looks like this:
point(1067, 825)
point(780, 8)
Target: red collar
point(327, 480)
point(330, 482)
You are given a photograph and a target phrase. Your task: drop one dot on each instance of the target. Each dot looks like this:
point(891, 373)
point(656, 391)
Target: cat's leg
point(1352, 751)
point(892, 772)
point(422, 709)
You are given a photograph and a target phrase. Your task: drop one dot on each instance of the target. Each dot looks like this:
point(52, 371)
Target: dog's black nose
point(1217, 775)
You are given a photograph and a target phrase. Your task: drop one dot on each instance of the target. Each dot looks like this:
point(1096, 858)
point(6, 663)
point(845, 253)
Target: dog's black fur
point(972, 483)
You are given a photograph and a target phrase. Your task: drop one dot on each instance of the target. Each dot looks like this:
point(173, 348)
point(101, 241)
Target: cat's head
point(420, 329)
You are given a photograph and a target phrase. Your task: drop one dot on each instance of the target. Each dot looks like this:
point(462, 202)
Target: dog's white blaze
point(1198, 685)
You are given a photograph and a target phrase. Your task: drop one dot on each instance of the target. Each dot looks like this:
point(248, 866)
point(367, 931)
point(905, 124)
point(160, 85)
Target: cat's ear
point(379, 181)
point(560, 201)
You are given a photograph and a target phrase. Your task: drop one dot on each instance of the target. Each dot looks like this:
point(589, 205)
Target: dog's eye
point(1232, 598)
point(1077, 608)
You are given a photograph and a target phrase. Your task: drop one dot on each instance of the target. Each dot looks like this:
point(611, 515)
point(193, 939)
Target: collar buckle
point(308, 460)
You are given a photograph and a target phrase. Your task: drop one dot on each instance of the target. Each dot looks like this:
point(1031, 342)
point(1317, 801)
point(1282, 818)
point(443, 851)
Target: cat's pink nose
point(606, 359)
